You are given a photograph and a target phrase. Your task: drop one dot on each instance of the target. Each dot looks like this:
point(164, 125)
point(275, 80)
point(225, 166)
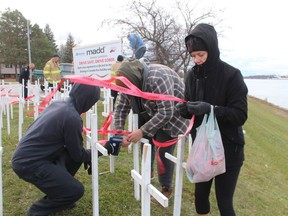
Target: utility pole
point(29, 49)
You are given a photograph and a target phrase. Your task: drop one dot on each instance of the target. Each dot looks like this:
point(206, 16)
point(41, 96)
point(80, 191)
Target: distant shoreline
point(277, 77)
point(268, 103)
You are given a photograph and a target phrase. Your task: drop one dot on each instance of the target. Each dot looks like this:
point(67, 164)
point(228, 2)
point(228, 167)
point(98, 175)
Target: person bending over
point(51, 151)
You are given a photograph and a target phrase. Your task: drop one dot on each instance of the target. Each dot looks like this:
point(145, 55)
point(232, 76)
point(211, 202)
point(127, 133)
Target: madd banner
point(96, 60)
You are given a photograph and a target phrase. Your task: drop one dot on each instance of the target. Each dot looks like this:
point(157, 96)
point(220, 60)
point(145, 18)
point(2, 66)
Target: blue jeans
point(140, 52)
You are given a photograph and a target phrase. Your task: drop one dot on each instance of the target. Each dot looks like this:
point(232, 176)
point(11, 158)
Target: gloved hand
point(88, 167)
point(112, 148)
point(182, 107)
point(198, 107)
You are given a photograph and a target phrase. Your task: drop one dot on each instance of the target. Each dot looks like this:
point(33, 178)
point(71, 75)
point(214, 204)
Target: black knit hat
point(120, 58)
point(195, 44)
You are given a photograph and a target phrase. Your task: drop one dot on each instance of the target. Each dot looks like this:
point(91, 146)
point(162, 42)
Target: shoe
point(32, 211)
point(166, 191)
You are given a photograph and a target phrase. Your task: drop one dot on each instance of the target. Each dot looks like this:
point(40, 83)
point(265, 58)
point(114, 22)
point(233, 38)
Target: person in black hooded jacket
point(51, 151)
point(214, 82)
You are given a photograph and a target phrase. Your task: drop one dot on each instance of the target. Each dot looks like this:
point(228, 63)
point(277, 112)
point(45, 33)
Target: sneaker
point(32, 211)
point(166, 191)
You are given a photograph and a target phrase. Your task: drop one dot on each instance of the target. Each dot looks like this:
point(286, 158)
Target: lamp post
point(29, 49)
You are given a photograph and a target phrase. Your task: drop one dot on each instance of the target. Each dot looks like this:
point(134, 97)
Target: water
point(274, 91)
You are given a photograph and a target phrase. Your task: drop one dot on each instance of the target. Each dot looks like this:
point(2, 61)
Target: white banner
point(96, 59)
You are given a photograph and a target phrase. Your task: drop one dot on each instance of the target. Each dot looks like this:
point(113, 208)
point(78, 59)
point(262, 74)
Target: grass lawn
point(262, 187)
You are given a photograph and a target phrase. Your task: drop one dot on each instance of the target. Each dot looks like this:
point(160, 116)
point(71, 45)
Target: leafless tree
point(164, 30)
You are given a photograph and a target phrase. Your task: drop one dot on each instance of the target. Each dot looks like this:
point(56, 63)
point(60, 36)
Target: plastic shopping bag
point(206, 158)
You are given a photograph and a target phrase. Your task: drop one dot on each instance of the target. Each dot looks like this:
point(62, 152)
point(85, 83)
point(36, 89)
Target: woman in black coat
point(214, 82)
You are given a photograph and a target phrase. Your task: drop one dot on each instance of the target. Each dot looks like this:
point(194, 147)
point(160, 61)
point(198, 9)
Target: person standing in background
point(24, 77)
point(212, 81)
point(114, 68)
point(137, 45)
point(52, 71)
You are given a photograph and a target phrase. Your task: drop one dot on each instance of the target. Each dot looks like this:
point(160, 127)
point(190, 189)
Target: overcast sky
point(256, 42)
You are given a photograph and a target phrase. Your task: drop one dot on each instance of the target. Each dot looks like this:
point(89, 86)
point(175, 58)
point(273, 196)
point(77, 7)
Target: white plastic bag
point(206, 158)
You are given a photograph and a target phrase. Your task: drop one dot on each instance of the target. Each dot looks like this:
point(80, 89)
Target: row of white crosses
point(8, 95)
point(147, 189)
point(6, 109)
point(35, 90)
point(4, 105)
point(144, 180)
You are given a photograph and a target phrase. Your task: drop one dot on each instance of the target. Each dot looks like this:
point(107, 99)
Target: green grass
point(262, 187)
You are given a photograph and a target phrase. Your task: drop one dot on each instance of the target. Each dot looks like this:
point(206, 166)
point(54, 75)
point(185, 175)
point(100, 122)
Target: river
point(274, 91)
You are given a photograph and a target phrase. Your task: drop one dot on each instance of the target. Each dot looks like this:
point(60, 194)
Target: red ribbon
point(130, 90)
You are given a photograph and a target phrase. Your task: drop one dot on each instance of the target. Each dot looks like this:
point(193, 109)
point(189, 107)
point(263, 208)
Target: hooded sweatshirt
point(221, 85)
point(58, 129)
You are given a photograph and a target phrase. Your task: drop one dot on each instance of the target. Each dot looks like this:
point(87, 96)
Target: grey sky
point(255, 42)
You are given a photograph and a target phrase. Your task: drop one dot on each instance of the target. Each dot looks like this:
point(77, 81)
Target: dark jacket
point(221, 85)
point(58, 129)
point(24, 74)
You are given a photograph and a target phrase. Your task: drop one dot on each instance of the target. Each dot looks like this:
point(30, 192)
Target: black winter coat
point(222, 86)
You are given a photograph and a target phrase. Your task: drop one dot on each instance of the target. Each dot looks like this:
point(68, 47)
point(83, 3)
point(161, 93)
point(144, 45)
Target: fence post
point(179, 161)
point(147, 189)
point(94, 162)
point(136, 158)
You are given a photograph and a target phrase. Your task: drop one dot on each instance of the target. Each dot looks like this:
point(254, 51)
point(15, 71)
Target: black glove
point(88, 167)
point(112, 148)
point(198, 107)
point(182, 107)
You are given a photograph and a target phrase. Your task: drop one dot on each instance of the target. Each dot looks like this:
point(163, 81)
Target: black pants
point(225, 185)
point(25, 91)
point(165, 167)
point(165, 176)
point(56, 180)
point(114, 95)
point(25, 88)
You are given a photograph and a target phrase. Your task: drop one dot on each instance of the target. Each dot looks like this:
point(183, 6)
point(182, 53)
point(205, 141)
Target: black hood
point(84, 96)
point(208, 34)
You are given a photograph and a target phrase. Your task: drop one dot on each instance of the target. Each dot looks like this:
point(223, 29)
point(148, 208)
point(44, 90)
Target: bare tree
point(164, 31)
